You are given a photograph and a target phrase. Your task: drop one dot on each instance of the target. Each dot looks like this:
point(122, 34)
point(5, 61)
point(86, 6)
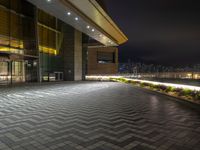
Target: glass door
point(4, 73)
point(31, 70)
point(59, 76)
point(18, 74)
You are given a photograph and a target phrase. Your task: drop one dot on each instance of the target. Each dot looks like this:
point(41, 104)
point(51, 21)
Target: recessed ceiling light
point(48, 0)
point(93, 30)
point(100, 35)
point(88, 27)
point(69, 13)
point(76, 18)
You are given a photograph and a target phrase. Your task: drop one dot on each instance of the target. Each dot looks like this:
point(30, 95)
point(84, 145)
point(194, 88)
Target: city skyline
point(160, 32)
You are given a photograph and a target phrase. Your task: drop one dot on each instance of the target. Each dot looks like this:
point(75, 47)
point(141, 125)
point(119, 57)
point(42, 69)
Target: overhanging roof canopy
point(86, 16)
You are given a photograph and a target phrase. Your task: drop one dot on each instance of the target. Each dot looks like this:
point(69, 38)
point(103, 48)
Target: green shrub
point(185, 92)
point(169, 89)
point(155, 86)
point(111, 79)
point(122, 79)
point(178, 90)
point(128, 81)
point(197, 96)
point(144, 84)
point(135, 82)
point(194, 93)
point(152, 86)
point(163, 88)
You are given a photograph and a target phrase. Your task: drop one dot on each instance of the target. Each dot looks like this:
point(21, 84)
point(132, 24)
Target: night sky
point(163, 32)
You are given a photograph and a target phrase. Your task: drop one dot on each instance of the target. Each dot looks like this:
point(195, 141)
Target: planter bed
point(181, 93)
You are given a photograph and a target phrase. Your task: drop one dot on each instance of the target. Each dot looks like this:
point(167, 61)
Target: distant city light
point(69, 13)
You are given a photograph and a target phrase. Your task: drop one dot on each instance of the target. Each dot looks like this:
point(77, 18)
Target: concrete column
point(78, 56)
point(84, 60)
point(85, 41)
point(72, 47)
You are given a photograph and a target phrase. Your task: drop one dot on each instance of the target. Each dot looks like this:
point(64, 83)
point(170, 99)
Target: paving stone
point(94, 116)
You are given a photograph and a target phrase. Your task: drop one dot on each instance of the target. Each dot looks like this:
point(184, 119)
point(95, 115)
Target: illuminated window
point(49, 35)
point(105, 57)
point(17, 33)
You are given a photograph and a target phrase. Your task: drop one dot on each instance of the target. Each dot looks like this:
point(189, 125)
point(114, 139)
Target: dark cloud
point(159, 31)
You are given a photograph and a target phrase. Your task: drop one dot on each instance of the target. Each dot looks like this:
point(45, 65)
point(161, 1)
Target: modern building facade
point(102, 60)
point(47, 40)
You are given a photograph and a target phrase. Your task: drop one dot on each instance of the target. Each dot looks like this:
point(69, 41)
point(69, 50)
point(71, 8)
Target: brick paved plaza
point(95, 116)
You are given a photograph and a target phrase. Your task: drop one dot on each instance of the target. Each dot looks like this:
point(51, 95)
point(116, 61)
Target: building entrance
point(11, 72)
point(31, 70)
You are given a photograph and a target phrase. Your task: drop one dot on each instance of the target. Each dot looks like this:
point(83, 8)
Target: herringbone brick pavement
point(95, 116)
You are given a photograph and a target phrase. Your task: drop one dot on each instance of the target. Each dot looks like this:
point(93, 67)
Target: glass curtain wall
point(18, 42)
point(17, 28)
point(50, 42)
point(17, 36)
